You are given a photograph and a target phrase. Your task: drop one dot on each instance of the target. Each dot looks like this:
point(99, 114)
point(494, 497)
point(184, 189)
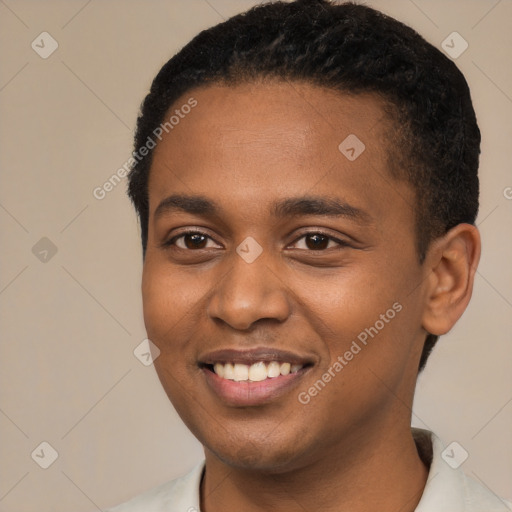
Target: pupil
point(315, 246)
point(196, 240)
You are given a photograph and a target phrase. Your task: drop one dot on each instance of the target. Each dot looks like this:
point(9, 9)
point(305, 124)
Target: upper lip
point(229, 355)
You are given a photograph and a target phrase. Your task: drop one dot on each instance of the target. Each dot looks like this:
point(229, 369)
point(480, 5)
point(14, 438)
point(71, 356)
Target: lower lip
point(247, 393)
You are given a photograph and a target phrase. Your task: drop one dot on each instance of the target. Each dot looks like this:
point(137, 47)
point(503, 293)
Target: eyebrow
point(289, 207)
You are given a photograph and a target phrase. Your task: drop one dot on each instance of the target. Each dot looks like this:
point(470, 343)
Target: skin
point(350, 448)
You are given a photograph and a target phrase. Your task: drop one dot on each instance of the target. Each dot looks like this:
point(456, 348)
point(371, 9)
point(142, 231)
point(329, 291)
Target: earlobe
point(451, 262)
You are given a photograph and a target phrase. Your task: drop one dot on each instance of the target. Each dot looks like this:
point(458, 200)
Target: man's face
point(326, 284)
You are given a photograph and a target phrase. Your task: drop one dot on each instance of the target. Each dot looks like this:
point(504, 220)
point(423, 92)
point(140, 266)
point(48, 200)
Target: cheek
point(352, 299)
point(369, 315)
point(171, 303)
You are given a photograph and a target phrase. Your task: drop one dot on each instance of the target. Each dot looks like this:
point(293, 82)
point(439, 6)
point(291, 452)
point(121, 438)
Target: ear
point(451, 264)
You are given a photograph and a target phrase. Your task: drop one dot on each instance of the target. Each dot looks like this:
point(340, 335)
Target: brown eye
point(189, 240)
point(316, 241)
point(194, 241)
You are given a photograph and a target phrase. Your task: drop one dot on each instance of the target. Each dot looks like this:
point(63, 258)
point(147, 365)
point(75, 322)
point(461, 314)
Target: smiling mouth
point(256, 372)
point(262, 375)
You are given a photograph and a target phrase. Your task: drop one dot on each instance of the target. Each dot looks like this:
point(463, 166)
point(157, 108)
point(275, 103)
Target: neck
point(370, 471)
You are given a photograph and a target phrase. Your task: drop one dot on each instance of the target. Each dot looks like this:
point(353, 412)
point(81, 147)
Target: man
point(305, 176)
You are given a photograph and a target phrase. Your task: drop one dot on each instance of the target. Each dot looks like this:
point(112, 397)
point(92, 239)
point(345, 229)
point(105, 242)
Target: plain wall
point(69, 325)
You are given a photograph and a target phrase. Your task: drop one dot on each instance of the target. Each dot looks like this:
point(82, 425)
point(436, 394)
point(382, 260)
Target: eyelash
point(341, 243)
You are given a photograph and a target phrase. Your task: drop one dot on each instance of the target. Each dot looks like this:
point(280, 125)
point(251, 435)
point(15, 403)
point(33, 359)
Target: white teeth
point(285, 368)
point(229, 371)
point(241, 372)
point(256, 372)
point(273, 369)
point(219, 369)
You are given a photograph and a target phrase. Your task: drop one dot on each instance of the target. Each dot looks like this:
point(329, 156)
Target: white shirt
point(447, 489)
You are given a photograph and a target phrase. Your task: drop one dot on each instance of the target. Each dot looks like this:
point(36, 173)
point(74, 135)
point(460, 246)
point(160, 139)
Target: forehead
point(273, 139)
point(277, 112)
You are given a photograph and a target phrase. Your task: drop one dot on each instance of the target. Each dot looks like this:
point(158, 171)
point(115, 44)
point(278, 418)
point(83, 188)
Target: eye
point(317, 241)
point(189, 240)
point(314, 241)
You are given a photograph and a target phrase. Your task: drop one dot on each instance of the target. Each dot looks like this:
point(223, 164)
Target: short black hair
point(434, 140)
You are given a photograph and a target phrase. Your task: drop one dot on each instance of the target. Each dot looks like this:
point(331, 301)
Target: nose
point(249, 292)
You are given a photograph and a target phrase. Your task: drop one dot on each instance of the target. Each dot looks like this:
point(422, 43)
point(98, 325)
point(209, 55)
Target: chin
point(261, 456)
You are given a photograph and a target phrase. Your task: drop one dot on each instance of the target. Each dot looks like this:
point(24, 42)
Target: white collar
point(447, 489)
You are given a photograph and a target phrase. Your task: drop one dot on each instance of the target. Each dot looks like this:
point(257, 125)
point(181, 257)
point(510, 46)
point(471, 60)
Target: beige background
point(69, 325)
